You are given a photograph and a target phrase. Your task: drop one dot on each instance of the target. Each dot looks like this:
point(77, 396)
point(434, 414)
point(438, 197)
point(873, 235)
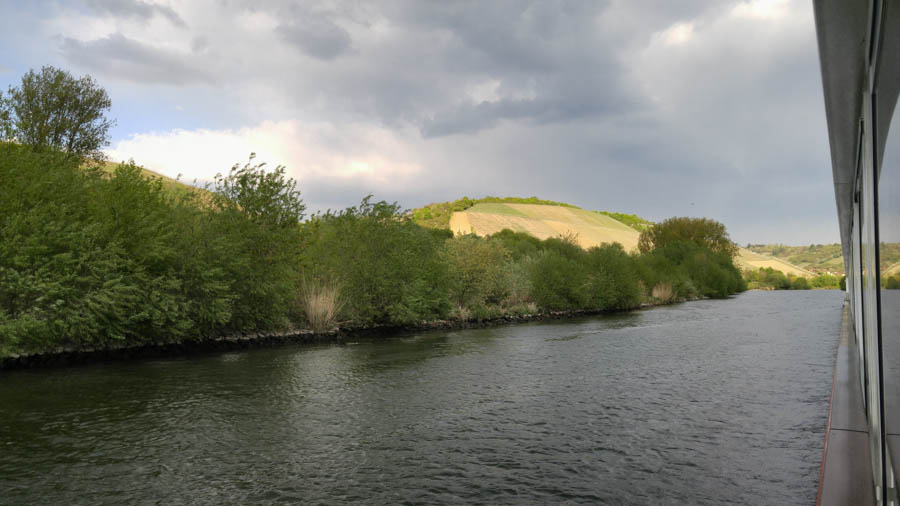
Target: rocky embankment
point(68, 356)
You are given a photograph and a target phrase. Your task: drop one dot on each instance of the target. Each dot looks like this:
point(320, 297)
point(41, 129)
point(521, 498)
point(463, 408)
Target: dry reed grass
point(663, 292)
point(320, 301)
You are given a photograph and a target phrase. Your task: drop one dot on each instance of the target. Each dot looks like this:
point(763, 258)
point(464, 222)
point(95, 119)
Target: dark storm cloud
point(316, 37)
point(656, 107)
point(126, 59)
point(136, 9)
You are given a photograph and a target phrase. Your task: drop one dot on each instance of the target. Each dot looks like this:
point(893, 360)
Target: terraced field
point(590, 228)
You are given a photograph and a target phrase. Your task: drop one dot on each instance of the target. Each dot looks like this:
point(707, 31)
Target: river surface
point(707, 402)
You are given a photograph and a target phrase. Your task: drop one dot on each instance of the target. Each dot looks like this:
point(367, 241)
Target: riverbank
point(71, 356)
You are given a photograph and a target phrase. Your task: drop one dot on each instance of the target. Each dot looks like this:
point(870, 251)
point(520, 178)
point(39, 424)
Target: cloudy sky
point(655, 107)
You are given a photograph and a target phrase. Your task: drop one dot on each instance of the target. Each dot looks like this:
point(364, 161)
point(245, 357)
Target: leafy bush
point(703, 232)
point(519, 244)
point(613, 278)
point(632, 220)
point(559, 281)
point(799, 283)
point(88, 260)
point(477, 267)
point(259, 214)
point(389, 268)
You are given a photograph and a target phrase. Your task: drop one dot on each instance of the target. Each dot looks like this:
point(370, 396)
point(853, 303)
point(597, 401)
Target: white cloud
point(762, 9)
point(310, 151)
point(638, 106)
point(679, 33)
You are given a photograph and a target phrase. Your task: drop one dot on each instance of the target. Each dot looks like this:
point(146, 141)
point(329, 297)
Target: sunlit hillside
point(541, 221)
point(747, 259)
point(589, 227)
point(818, 258)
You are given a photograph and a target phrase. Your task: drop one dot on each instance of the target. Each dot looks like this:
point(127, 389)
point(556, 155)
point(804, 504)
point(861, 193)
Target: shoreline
point(63, 357)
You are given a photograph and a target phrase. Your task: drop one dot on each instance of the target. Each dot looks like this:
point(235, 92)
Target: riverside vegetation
point(93, 257)
point(90, 259)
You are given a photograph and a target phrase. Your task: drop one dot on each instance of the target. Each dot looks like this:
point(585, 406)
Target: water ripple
point(712, 402)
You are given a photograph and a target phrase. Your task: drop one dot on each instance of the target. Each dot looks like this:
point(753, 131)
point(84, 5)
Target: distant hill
point(747, 259)
point(817, 258)
point(437, 215)
point(544, 221)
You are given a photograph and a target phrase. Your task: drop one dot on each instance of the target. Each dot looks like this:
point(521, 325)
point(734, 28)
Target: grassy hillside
point(817, 258)
point(827, 258)
point(544, 221)
point(747, 259)
point(437, 215)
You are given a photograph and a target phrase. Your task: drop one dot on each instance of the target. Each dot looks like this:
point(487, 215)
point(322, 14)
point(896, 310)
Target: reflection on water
point(703, 403)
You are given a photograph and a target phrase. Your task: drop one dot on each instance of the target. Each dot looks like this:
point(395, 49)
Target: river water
point(707, 402)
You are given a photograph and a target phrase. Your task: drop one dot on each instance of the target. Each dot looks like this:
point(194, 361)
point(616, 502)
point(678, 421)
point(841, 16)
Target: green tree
point(703, 232)
point(390, 269)
point(6, 125)
point(799, 283)
point(477, 270)
point(51, 109)
point(614, 279)
point(259, 212)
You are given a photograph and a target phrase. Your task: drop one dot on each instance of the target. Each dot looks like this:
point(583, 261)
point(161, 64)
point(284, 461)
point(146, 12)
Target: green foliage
point(799, 283)
point(269, 199)
point(52, 110)
point(259, 212)
point(389, 268)
point(6, 123)
point(632, 220)
point(825, 281)
point(614, 278)
point(703, 232)
point(519, 244)
point(563, 276)
point(479, 271)
point(843, 283)
point(656, 269)
point(93, 259)
point(559, 281)
point(770, 279)
point(767, 278)
point(89, 261)
point(690, 267)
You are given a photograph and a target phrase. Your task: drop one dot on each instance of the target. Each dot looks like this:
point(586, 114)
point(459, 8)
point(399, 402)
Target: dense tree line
point(767, 278)
point(89, 259)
